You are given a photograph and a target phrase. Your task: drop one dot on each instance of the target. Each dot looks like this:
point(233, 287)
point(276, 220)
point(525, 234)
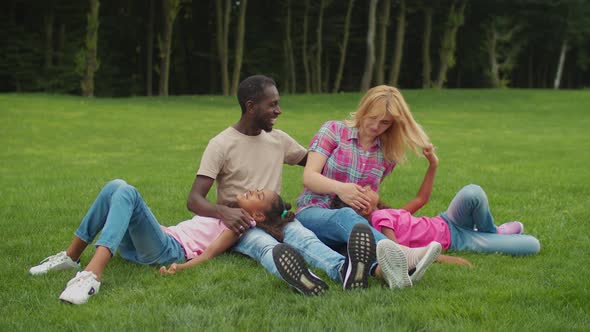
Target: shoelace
point(52, 260)
point(82, 279)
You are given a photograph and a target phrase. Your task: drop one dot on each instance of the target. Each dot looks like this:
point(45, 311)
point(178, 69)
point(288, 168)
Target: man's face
point(267, 109)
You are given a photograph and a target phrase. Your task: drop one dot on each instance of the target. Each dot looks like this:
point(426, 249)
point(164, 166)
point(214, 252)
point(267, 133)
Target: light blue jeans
point(128, 225)
point(258, 244)
point(333, 226)
point(472, 226)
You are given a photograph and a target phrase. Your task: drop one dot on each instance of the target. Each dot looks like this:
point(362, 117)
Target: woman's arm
point(350, 193)
point(426, 188)
point(223, 242)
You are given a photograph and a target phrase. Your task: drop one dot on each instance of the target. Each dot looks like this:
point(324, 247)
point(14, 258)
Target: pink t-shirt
point(413, 231)
point(196, 234)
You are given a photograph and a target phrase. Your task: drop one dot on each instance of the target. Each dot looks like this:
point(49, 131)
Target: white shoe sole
point(394, 264)
point(434, 249)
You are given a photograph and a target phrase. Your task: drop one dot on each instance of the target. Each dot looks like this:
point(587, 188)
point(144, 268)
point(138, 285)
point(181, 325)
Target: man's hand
point(236, 219)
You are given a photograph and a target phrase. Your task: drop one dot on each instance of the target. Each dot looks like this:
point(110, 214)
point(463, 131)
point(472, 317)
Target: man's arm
point(236, 219)
point(303, 161)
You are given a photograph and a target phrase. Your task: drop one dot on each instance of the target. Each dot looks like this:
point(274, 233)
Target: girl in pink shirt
point(127, 225)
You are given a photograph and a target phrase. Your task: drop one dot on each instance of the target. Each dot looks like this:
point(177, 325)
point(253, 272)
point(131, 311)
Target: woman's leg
point(470, 209)
point(333, 226)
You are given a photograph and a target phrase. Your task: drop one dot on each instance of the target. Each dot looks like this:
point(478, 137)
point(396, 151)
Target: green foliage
point(525, 147)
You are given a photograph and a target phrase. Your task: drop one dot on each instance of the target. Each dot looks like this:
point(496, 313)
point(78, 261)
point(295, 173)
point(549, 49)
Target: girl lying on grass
point(467, 224)
point(129, 226)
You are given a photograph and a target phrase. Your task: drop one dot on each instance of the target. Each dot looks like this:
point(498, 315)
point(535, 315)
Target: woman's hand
point(354, 196)
point(172, 270)
point(430, 154)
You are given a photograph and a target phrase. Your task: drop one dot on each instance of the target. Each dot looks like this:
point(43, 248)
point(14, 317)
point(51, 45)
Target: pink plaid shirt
point(346, 162)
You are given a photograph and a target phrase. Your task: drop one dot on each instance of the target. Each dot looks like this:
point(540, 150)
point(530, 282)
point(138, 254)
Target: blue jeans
point(129, 226)
point(472, 226)
point(258, 244)
point(333, 226)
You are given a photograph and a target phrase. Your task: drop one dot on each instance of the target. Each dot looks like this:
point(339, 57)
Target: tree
point(448, 44)
point(149, 49)
point(317, 77)
point(170, 10)
point(370, 59)
point(426, 65)
point(382, 49)
point(90, 55)
point(240, 30)
point(289, 62)
point(222, 10)
point(343, 46)
point(502, 48)
point(304, 54)
point(399, 44)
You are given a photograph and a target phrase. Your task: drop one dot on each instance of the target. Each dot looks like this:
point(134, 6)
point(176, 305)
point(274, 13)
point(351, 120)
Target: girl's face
point(257, 202)
point(376, 123)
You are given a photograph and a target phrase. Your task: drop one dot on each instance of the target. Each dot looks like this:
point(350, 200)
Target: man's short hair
point(252, 88)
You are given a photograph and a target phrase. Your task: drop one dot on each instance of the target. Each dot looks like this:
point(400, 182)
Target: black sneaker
point(294, 271)
point(361, 253)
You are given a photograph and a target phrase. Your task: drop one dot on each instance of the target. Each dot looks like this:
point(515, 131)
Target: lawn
point(529, 149)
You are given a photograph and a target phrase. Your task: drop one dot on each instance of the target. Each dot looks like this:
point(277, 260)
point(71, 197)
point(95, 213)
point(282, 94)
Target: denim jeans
point(129, 226)
point(258, 244)
point(472, 226)
point(333, 226)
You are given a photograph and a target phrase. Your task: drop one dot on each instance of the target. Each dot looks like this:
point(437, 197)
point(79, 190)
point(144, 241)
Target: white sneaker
point(59, 261)
point(394, 264)
point(434, 249)
point(80, 288)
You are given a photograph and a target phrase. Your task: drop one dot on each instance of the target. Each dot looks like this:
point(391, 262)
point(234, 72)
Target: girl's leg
point(131, 228)
point(516, 244)
point(96, 217)
point(470, 209)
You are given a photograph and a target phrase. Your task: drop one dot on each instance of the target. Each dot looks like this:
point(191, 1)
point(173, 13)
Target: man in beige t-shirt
point(250, 155)
point(238, 161)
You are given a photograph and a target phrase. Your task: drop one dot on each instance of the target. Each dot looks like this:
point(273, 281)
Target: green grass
point(529, 149)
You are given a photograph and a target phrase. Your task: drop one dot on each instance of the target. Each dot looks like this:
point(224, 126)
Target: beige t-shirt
point(240, 162)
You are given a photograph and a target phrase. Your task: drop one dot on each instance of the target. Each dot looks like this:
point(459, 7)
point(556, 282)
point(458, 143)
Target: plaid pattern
point(347, 162)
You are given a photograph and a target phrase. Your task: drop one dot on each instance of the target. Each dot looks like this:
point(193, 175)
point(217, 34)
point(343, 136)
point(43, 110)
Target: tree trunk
point(61, 45)
point(318, 55)
point(493, 62)
point(343, 47)
point(426, 65)
point(48, 20)
point(149, 49)
point(448, 44)
point(91, 44)
point(170, 10)
point(290, 80)
point(370, 60)
point(304, 55)
point(530, 74)
point(399, 45)
point(240, 30)
point(223, 19)
point(562, 55)
point(381, 50)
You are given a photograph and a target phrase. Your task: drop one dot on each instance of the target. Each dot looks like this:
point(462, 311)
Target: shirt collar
point(353, 133)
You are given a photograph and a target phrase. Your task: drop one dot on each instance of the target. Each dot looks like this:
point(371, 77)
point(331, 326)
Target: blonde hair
point(404, 131)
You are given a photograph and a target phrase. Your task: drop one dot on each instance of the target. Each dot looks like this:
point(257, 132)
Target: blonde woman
point(345, 156)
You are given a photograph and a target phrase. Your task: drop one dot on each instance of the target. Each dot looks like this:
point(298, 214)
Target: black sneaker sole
point(292, 268)
point(361, 255)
